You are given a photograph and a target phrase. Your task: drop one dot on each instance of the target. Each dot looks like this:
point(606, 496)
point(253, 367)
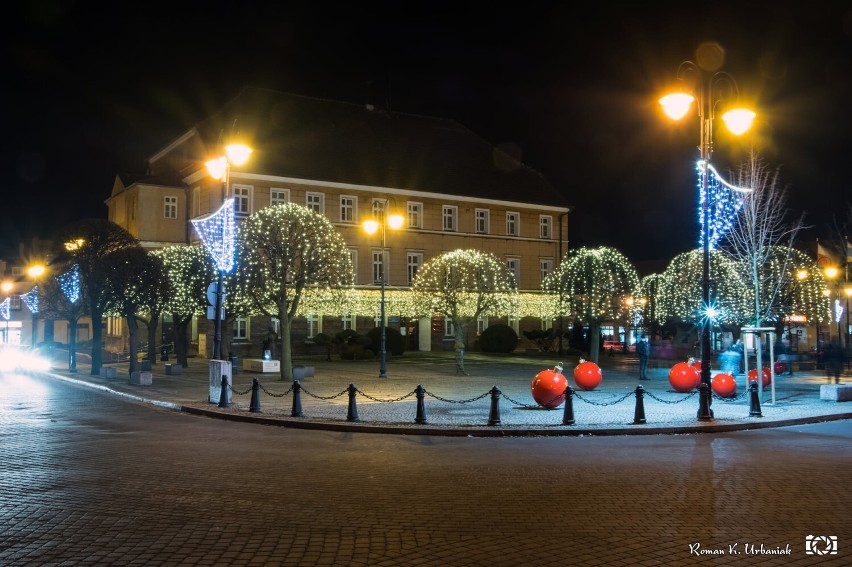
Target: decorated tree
point(678, 300)
point(189, 270)
point(138, 279)
point(62, 297)
point(283, 253)
point(593, 285)
point(801, 297)
point(462, 286)
point(86, 244)
point(760, 240)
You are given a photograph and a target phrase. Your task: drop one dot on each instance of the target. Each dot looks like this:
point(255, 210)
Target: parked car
point(613, 345)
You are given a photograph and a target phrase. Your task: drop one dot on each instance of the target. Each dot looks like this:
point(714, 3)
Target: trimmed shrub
point(498, 338)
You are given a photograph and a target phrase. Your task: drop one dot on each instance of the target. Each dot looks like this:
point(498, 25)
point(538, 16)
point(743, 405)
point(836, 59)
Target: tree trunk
point(594, 341)
point(286, 354)
point(133, 338)
point(72, 345)
point(97, 341)
point(459, 346)
point(181, 327)
point(152, 336)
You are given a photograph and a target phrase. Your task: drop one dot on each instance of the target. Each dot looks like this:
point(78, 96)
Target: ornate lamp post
point(370, 226)
point(676, 106)
point(217, 231)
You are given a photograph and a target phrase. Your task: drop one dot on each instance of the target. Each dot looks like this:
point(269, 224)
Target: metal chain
point(683, 399)
point(537, 406)
point(325, 397)
point(439, 398)
point(399, 399)
point(729, 399)
point(231, 388)
point(577, 395)
point(290, 389)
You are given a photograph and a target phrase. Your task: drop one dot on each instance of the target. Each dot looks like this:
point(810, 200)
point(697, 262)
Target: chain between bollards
point(352, 413)
point(754, 409)
point(639, 413)
point(568, 413)
point(494, 414)
point(420, 392)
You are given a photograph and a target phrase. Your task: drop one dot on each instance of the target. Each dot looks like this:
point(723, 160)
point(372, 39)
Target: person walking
point(643, 351)
point(833, 356)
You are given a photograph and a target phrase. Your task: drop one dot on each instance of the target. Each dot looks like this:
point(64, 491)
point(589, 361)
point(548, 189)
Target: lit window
point(170, 207)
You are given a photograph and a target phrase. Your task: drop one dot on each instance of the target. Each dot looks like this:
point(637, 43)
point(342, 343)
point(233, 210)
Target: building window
point(546, 265)
point(481, 221)
point(348, 206)
point(449, 329)
point(353, 257)
point(481, 324)
point(513, 225)
point(415, 215)
point(240, 329)
point(514, 267)
point(545, 223)
point(314, 202)
point(515, 323)
point(414, 261)
point(279, 196)
point(378, 265)
point(450, 216)
point(242, 200)
point(313, 321)
point(346, 322)
point(170, 207)
point(15, 302)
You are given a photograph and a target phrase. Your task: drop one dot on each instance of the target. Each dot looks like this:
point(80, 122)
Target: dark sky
point(89, 92)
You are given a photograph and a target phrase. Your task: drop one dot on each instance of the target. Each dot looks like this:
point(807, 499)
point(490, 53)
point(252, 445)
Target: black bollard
point(420, 391)
point(704, 411)
point(352, 414)
point(568, 414)
point(297, 399)
point(254, 406)
point(639, 413)
point(754, 409)
point(223, 395)
point(494, 415)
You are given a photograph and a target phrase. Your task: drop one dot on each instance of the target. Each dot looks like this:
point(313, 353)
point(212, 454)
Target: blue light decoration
point(69, 282)
point(30, 299)
point(4, 309)
point(725, 201)
point(218, 232)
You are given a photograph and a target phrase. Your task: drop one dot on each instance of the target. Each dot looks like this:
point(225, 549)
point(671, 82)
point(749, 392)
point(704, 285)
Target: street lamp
point(35, 272)
point(676, 106)
point(370, 226)
point(218, 230)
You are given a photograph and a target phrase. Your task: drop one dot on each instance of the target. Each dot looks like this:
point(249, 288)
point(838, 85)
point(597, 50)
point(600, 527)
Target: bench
point(173, 369)
point(836, 392)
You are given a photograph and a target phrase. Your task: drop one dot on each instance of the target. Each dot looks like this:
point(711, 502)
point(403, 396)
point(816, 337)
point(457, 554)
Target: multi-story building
point(348, 161)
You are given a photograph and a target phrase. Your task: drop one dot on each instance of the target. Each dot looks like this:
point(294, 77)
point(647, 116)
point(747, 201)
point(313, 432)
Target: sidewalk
point(465, 405)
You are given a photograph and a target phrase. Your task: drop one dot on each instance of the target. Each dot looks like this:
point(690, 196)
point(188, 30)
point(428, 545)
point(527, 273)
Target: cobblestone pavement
point(465, 405)
point(88, 479)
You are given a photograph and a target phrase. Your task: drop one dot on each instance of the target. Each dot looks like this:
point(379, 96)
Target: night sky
point(89, 93)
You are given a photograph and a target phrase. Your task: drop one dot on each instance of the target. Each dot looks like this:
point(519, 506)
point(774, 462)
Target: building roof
point(339, 142)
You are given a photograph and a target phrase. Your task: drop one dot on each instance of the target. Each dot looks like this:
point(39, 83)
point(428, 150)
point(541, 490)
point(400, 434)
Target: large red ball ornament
point(684, 377)
point(766, 377)
point(548, 388)
point(696, 364)
point(724, 385)
point(587, 375)
point(780, 367)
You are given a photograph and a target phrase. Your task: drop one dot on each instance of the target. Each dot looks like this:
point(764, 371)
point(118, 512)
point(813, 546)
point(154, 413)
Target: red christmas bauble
point(697, 365)
point(548, 388)
point(780, 367)
point(684, 377)
point(724, 385)
point(587, 375)
point(766, 378)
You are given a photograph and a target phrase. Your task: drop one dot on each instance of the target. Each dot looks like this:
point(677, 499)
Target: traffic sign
point(211, 293)
point(211, 313)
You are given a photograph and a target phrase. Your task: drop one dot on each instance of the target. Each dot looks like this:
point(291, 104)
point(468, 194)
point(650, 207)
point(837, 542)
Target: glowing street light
point(370, 226)
point(676, 106)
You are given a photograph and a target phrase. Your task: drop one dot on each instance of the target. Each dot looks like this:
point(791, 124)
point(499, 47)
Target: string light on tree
point(69, 283)
point(30, 299)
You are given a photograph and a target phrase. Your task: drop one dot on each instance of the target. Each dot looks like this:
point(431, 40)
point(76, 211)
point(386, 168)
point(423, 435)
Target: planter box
point(174, 369)
point(302, 372)
point(141, 378)
point(836, 392)
point(108, 372)
point(260, 365)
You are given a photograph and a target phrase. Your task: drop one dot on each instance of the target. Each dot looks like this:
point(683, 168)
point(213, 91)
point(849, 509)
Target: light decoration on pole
point(4, 312)
point(676, 106)
point(724, 201)
point(30, 299)
point(370, 226)
point(69, 283)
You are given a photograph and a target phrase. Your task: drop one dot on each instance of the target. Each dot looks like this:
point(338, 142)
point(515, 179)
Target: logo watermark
point(821, 545)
